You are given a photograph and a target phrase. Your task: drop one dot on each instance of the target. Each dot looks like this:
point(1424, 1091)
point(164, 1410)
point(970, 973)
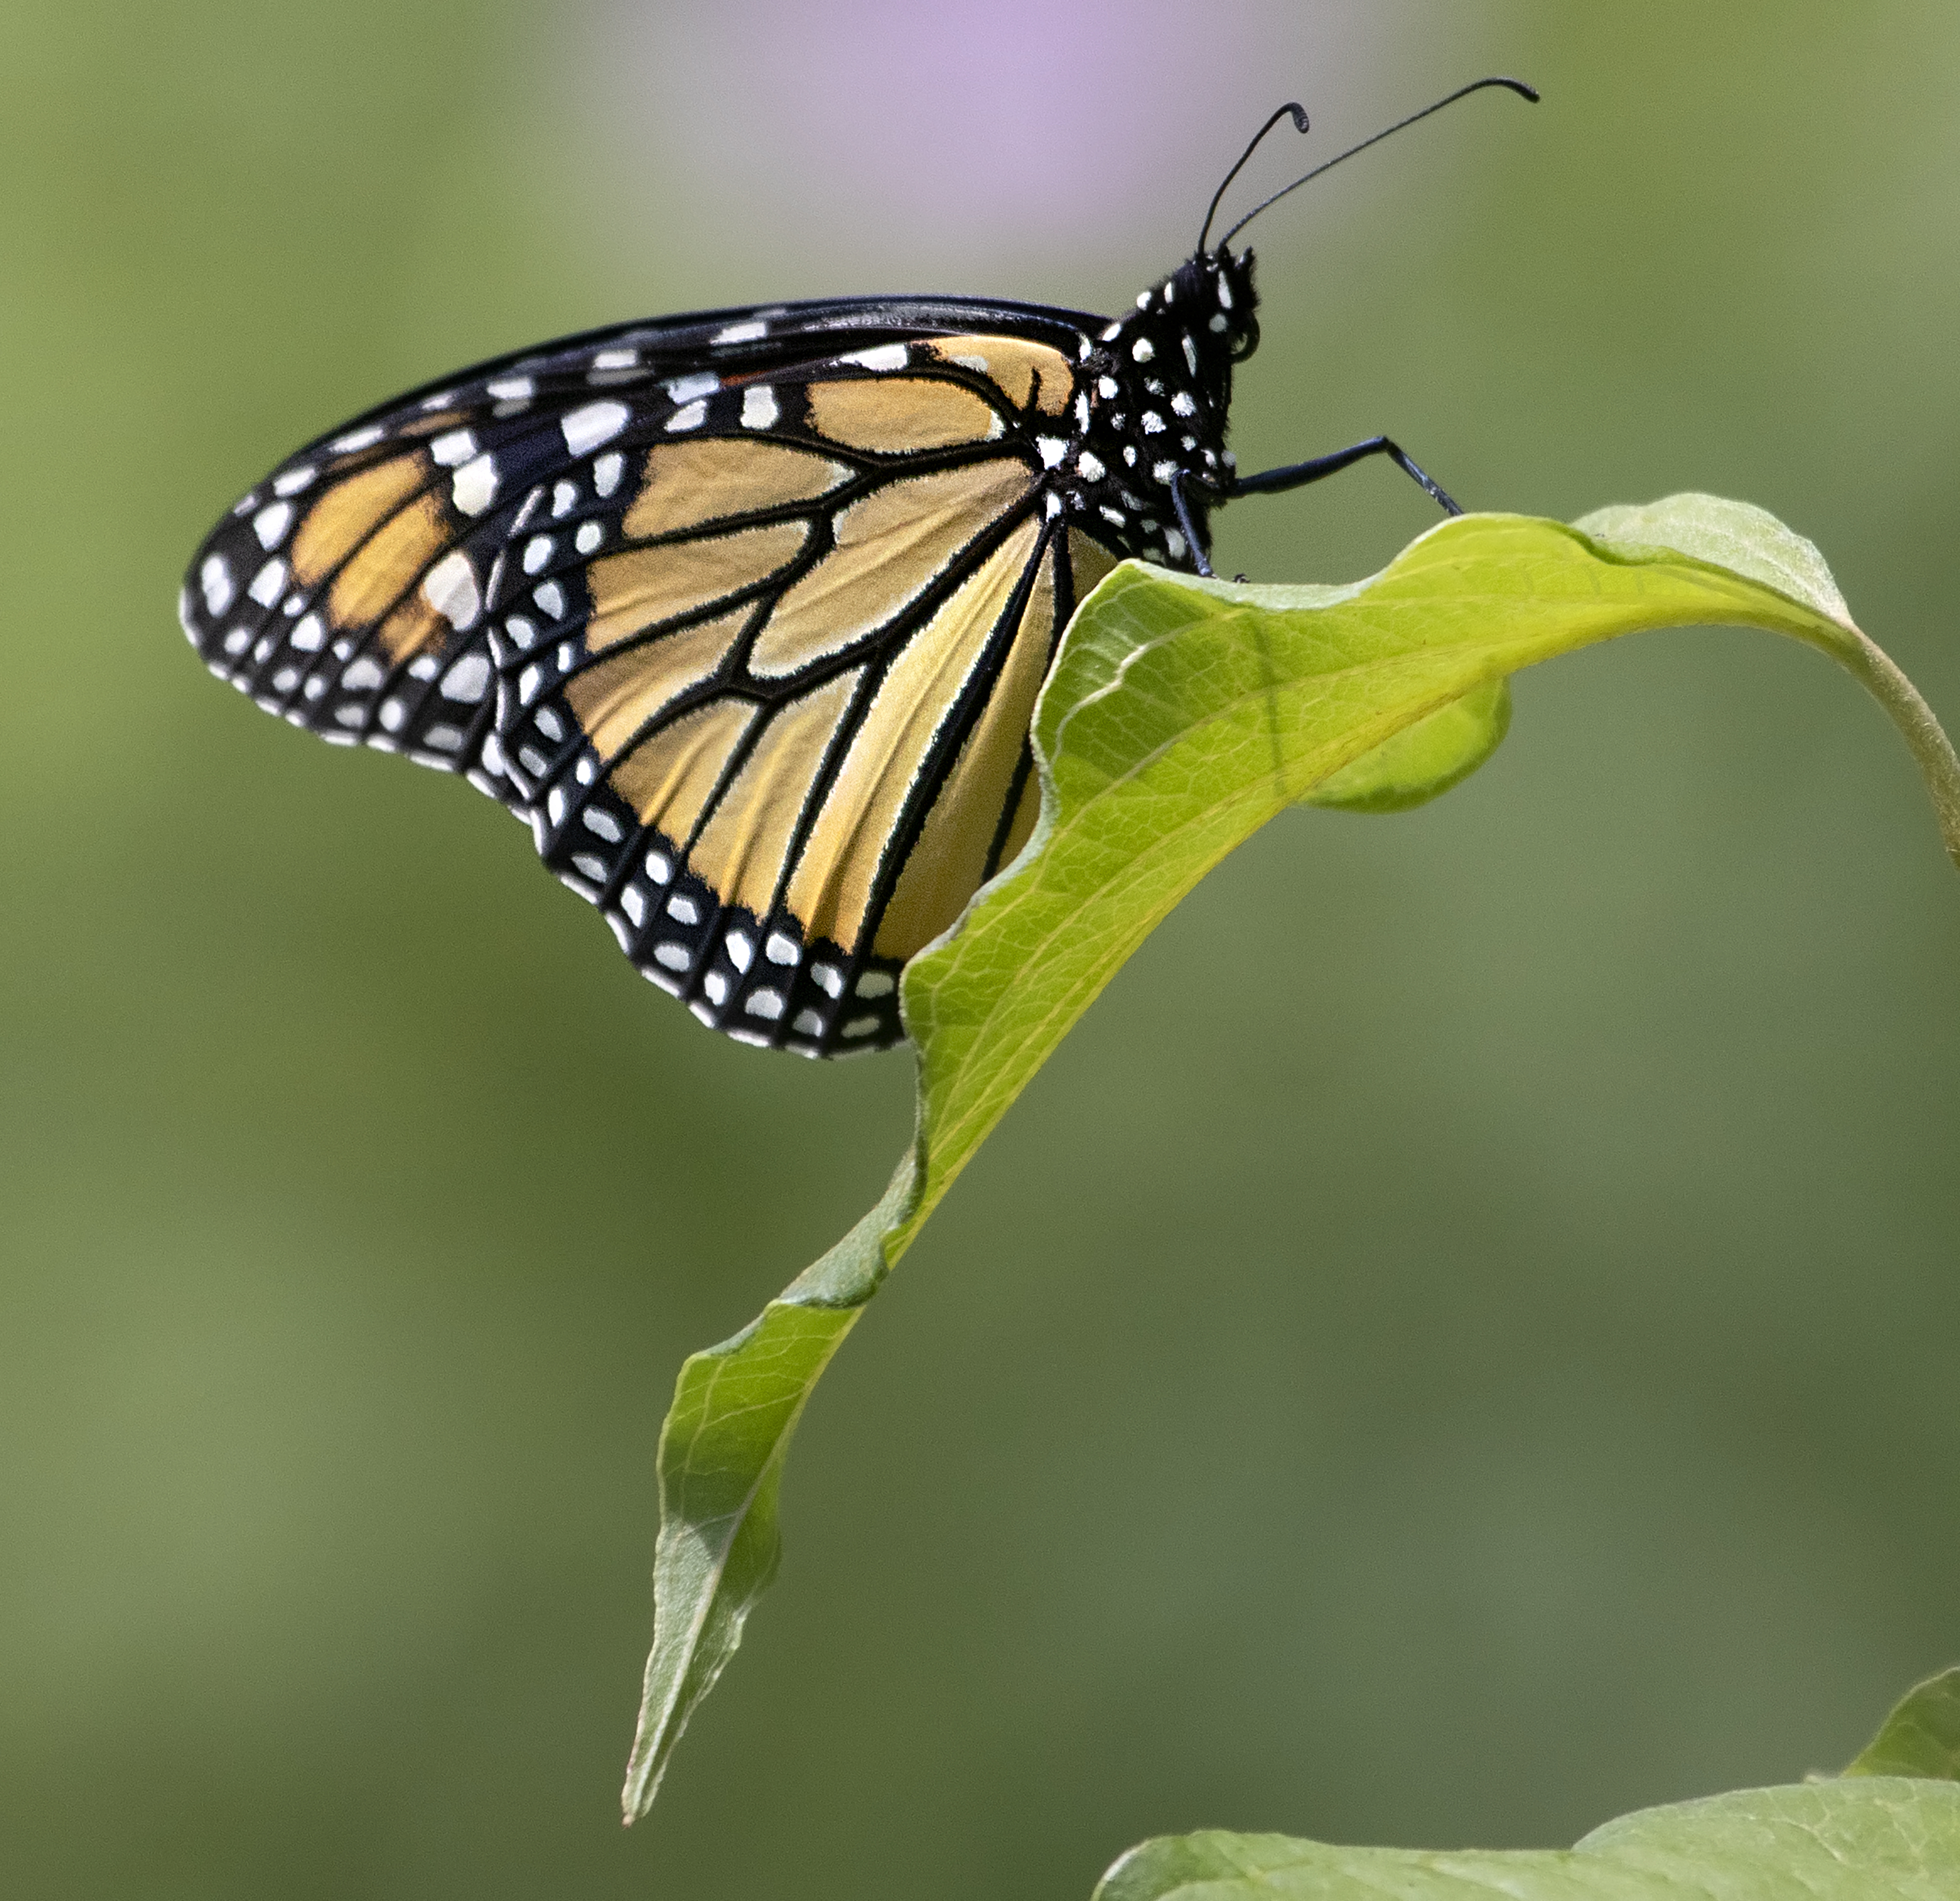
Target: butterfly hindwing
point(734, 723)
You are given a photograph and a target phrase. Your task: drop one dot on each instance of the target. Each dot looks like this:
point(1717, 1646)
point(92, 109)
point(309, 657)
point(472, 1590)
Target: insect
point(745, 612)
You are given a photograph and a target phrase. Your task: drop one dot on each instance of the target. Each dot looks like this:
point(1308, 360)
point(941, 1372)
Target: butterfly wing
point(745, 612)
point(345, 594)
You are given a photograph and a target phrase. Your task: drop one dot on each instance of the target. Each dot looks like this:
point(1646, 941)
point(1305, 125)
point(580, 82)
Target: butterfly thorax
point(1155, 400)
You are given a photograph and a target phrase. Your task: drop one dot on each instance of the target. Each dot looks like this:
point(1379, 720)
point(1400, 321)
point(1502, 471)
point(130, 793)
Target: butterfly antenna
point(1517, 86)
point(1298, 112)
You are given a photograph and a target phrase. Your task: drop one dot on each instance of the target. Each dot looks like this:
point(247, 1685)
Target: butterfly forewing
point(745, 613)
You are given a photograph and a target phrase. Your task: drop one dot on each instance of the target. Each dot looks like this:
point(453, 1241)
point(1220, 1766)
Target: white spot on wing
point(468, 680)
point(294, 480)
point(456, 447)
point(1143, 349)
point(605, 472)
point(513, 389)
point(740, 333)
point(450, 587)
point(475, 486)
point(268, 583)
point(357, 439)
point(214, 578)
point(690, 416)
point(758, 406)
point(883, 356)
point(596, 424)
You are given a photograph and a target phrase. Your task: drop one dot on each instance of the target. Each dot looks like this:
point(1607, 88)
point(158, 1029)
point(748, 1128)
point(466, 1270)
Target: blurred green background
point(1509, 1383)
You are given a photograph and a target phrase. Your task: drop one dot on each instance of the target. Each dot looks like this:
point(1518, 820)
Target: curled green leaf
point(1424, 761)
point(1180, 716)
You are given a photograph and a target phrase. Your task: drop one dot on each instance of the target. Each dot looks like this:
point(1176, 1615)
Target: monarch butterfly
point(745, 611)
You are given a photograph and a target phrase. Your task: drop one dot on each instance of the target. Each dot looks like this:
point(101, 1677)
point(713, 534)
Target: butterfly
point(745, 612)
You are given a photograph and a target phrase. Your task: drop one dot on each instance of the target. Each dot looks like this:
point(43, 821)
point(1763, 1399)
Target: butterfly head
point(1220, 284)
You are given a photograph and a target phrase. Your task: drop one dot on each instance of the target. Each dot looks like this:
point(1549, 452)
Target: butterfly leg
point(1179, 478)
point(1298, 474)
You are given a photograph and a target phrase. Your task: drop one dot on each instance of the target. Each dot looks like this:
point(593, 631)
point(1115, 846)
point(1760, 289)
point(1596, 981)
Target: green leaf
point(1424, 761)
point(1886, 1839)
point(1921, 1736)
point(1180, 716)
